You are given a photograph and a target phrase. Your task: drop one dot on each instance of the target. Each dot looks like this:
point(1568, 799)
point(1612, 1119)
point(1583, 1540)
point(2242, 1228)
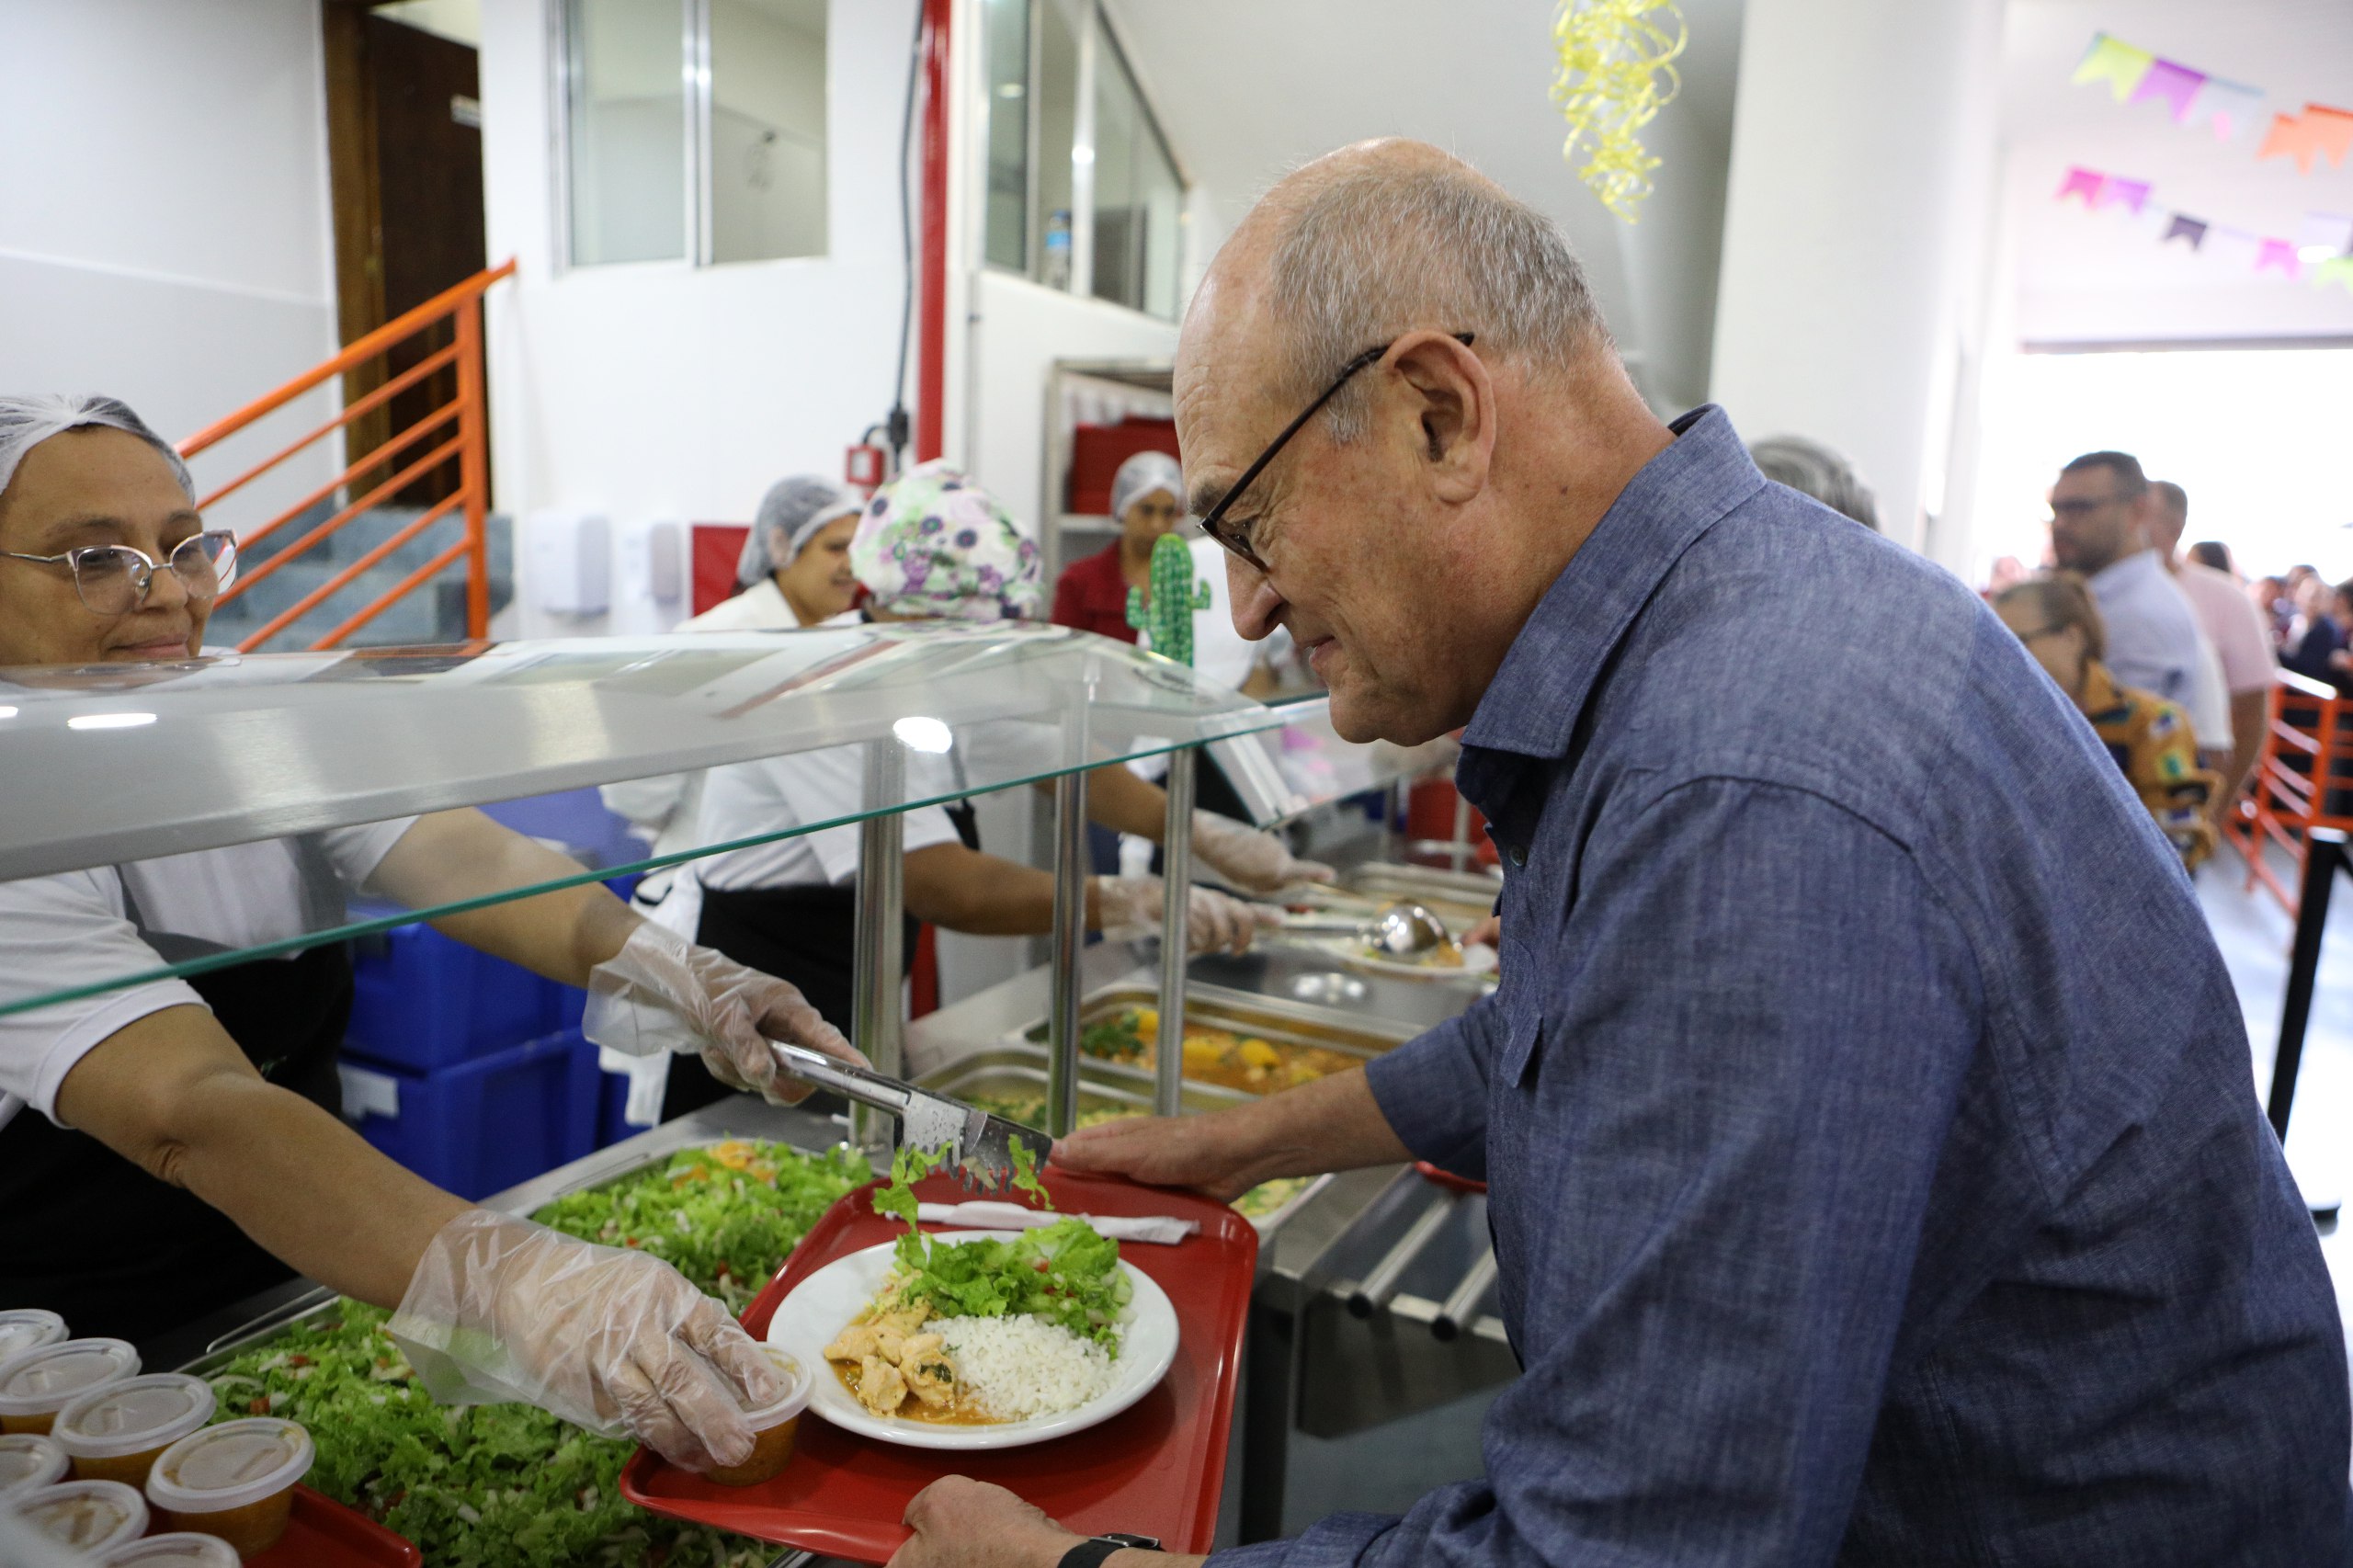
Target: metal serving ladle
point(1402, 929)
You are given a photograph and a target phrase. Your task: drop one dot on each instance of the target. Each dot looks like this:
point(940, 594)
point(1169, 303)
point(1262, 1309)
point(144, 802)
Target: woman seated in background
point(931, 546)
point(1147, 501)
point(2149, 737)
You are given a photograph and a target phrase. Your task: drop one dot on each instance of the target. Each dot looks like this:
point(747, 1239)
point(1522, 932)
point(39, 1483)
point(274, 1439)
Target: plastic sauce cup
point(29, 1460)
point(234, 1481)
point(115, 1431)
point(92, 1514)
point(37, 1384)
point(28, 1328)
point(181, 1548)
point(773, 1425)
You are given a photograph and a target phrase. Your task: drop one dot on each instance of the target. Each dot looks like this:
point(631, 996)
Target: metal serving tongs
point(981, 1145)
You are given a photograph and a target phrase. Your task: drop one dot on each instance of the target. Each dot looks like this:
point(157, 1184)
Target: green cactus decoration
point(1174, 597)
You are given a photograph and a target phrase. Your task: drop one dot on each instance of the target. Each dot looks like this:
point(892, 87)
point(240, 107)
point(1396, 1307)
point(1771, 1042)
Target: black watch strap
point(1091, 1554)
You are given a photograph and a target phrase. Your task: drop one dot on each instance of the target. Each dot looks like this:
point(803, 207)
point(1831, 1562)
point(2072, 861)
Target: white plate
point(822, 1305)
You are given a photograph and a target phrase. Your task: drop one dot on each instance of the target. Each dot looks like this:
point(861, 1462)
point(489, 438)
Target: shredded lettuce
point(507, 1485)
point(1024, 1173)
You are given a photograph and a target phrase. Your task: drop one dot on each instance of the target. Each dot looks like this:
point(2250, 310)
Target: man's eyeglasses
point(113, 579)
point(1236, 537)
point(2082, 505)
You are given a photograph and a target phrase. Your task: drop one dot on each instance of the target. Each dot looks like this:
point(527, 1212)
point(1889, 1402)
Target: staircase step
point(432, 612)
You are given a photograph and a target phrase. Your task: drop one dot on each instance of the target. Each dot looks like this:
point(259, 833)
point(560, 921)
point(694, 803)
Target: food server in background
point(930, 546)
point(170, 1147)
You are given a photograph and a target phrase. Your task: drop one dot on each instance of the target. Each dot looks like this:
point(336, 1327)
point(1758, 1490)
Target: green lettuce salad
point(507, 1485)
point(1066, 1273)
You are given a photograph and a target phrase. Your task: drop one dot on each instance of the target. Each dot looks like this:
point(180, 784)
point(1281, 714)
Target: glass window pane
point(767, 128)
point(1005, 27)
point(1054, 97)
point(1160, 223)
point(626, 129)
point(1117, 123)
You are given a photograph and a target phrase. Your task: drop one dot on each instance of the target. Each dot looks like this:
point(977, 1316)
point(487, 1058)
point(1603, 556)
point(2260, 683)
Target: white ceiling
point(2098, 278)
point(1246, 89)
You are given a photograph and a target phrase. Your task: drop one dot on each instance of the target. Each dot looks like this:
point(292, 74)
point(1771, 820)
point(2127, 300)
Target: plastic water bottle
point(1057, 248)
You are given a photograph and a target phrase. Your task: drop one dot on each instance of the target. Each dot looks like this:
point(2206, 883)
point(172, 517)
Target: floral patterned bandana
point(934, 545)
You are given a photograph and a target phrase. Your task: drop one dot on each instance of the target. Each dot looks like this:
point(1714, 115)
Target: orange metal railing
point(466, 445)
point(2303, 778)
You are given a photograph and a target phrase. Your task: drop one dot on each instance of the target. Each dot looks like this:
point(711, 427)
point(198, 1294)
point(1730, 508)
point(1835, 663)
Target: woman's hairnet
point(27, 421)
point(1812, 469)
point(789, 515)
point(1141, 475)
point(934, 544)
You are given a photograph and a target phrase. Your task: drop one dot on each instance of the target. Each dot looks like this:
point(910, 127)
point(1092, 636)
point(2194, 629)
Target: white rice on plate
point(1021, 1367)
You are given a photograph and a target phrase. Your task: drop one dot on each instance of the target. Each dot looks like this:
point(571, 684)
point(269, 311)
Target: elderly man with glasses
point(1874, 1169)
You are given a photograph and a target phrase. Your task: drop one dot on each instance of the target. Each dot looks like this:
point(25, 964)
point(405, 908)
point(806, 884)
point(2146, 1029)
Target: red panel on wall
point(716, 548)
point(1098, 451)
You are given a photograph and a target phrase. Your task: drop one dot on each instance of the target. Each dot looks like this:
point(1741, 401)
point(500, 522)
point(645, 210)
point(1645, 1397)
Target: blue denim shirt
point(1876, 1170)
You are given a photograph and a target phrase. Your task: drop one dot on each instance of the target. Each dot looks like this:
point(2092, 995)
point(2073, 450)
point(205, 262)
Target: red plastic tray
point(1155, 1468)
point(325, 1534)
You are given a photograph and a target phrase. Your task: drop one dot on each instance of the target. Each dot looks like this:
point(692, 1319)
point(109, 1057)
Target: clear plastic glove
point(661, 993)
point(1249, 858)
point(501, 1309)
point(1130, 906)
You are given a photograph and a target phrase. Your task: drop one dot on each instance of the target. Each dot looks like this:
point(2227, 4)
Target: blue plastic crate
point(423, 1001)
point(482, 1125)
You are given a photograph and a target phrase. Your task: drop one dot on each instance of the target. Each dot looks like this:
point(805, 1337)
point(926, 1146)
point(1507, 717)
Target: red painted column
point(931, 358)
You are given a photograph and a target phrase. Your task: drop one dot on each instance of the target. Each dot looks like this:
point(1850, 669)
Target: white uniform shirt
point(2155, 646)
point(74, 929)
point(745, 799)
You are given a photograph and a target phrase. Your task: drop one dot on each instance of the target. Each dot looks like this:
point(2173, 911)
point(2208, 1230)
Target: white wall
point(1853, 274)
point(164, 228)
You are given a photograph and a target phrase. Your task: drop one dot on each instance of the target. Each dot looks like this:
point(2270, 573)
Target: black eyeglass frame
point(1239, 544)
point(140, 568)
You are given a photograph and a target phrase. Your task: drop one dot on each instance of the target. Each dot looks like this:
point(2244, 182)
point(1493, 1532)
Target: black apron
point(114, 1251)
point(805, 935)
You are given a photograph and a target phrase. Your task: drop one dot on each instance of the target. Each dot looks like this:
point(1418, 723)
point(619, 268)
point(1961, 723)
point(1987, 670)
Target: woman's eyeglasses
point(1236, 537)
point(113, 579)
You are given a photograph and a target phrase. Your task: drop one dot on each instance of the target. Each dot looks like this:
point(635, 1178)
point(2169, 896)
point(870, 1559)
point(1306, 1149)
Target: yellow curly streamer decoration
point(1613, 54)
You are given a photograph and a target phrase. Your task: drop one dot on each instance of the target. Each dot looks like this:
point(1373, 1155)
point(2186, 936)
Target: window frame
point(1096, 30)
point(698, 243)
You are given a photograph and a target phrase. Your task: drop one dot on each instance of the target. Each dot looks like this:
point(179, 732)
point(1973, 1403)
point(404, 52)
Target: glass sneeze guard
point(115, 765)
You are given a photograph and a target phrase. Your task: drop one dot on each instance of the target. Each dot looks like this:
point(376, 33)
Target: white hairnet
point(1141, 475)
point(789, 515)
point(27, 421)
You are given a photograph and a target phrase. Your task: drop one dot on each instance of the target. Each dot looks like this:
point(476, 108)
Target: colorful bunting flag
point(2170, 84)
point(2321, 253)
point(2183, 228)
point(2308, 136)
point(2135, 76)
point(2117, 64)
point(2281, 254)
point(2084, 183)
point(2227, 107)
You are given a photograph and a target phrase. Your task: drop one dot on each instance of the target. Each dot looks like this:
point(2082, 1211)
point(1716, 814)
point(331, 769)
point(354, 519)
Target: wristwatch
point(1091, 1554)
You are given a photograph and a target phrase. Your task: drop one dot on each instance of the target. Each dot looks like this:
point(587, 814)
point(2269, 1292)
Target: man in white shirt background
point(2231, 623)
point(2100, 512)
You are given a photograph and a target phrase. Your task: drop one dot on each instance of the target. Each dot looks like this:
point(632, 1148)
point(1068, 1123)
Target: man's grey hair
point(1811, 468)
point(2173, 496)
point(1370, 254)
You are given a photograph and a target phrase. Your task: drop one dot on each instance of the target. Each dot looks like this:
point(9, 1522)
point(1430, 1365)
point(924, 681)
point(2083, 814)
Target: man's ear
point(1452, 398)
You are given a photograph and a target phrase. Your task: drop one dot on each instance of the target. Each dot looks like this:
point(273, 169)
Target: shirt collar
point(1531, 706)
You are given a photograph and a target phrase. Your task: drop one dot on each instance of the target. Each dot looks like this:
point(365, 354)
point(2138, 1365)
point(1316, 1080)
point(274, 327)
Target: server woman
point(167, 1148)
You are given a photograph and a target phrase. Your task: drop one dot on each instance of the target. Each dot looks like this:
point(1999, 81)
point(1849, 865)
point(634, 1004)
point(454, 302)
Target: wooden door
point(404, 137)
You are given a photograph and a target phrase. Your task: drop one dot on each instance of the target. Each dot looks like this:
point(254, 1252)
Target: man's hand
point(1166, 1151)
point(963, 1523)
point(1331, 1124)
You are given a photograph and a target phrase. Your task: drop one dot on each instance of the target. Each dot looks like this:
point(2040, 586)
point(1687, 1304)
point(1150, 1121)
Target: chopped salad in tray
point(507, 1485)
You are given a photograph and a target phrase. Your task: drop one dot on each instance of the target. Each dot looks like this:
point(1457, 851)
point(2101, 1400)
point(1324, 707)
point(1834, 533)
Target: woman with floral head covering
point(932, 545)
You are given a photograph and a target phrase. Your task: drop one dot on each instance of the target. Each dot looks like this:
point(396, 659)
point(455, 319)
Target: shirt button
point(1518, 856)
